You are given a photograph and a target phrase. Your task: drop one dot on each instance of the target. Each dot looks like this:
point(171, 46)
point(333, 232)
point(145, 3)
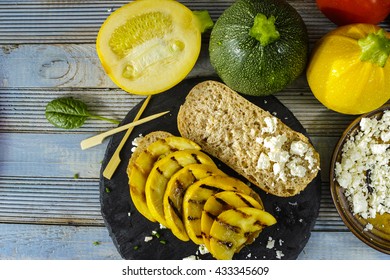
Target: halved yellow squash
point(219, 203)
point(160, 174)
point(148, 46)
point(196, 196)
point(230, 231)
point(143, 164)
point(174, 193)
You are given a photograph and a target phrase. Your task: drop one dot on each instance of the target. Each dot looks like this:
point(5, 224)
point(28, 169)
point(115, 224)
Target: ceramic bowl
point(379, 237)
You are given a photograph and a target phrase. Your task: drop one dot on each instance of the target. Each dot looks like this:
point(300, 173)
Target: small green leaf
point(66, 112)
point(69, 113)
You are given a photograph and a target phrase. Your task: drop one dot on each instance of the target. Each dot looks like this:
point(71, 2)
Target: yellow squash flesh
point(160, 174)
point(196, 196)
point(143, 164)
point(219, 203)
point(148, 46)
point(231, 229)
point(174, 193)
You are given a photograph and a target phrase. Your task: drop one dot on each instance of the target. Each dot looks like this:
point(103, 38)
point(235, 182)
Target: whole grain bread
point(248, 139)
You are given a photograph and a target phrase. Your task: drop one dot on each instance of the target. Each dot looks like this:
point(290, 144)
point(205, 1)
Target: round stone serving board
point(295, 215)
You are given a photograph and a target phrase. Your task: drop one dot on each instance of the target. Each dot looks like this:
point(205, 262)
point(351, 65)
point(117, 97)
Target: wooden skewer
point(98, 139)
point(115, 159)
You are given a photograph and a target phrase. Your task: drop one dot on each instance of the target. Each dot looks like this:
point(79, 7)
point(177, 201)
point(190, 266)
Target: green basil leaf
point(66, 112)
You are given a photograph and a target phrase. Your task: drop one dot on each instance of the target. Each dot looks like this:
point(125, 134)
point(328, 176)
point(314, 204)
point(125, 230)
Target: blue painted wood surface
point(47, 51)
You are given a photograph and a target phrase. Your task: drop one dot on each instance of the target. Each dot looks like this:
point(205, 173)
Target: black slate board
point(295, 215)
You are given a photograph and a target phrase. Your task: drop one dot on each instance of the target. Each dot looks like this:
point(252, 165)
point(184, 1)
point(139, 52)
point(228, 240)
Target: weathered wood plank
point(64, 65)
point(68, 242)
point(79, 21)
point(23, 109)
point(339, 246)
point(55, 242)
point(48, 155)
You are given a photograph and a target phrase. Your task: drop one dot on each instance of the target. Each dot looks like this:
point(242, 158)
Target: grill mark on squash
point(228, 226)
point(195, 157)
point(211, 188)
point(198, 202)
point(211, 216)
point(175, 160)
point(175, 209)
point(244, 200)
point(223, 203)
point(227, 244)
point(179, 188)
point(160, 171)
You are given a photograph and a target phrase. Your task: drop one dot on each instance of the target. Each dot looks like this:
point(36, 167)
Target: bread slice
point(248, 139)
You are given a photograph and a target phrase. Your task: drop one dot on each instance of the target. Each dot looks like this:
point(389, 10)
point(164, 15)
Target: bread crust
point(239, 133)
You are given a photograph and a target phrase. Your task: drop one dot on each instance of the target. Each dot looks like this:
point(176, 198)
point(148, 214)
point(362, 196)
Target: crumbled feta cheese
point(284, 160)
point(296, 169)
point(364, 169)
point(368, 227)
point(136, 142)
point(298, 148)
point(203, 249)
point(275, 142)
point(279, 156)
point(271, 123)
point(148, 238)
point(263, 162)
point(385, 136)
point(191, 258)
point(279, 254)
point(378, 149)
point(270, 243)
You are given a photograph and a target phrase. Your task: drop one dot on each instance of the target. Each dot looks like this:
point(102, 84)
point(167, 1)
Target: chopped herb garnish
point(76, 176)
point(97, 243)
point(156, 234)
point(163, 242)
point(107, 190)
point(136, 247)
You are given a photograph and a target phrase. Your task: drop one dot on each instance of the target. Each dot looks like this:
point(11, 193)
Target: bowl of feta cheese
point(360, 178)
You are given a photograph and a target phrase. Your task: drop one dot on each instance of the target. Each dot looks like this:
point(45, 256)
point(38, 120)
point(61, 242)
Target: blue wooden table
point(49, 187)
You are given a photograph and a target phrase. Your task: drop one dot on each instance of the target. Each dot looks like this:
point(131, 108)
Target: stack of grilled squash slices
point(174, 183)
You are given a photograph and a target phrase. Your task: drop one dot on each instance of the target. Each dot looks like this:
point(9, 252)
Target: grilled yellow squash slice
point(230, 231)
point(160, 174)
point(219, 203)
point(143, 164)
point(174, 193)
point(196, 196)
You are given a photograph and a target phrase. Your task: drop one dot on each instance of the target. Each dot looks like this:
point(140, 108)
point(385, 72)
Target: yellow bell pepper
point(349, 69)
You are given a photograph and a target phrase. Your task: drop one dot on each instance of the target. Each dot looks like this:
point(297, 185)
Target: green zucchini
point(258, 47)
